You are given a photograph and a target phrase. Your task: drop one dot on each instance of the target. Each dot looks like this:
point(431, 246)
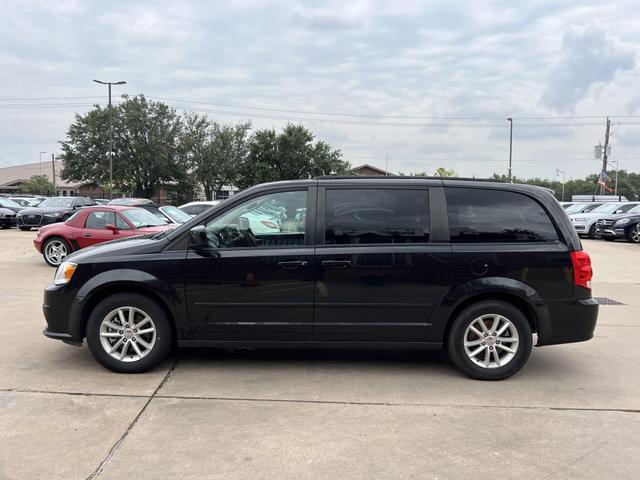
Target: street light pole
point(558, 172)
point(510, 120)
point(41, 172)
point(122, 82)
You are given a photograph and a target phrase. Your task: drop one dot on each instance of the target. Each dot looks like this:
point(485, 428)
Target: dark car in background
point(51, 210)
point(7, 218)
point(625, 227)
point(474, 267)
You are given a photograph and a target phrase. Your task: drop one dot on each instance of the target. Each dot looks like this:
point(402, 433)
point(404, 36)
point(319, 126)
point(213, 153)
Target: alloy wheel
point(491, 341)
point(635, 234)
point(55, 251)
point(127, 334)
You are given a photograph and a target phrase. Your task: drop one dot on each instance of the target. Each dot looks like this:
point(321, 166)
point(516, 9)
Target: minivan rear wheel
point(490, 340)
point(128, 333)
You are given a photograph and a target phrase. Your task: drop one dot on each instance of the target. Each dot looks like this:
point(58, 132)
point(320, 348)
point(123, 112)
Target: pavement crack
point(124, 435)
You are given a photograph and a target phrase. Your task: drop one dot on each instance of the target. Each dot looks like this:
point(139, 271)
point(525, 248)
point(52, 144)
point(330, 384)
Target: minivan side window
point(483, 215)
point(273, 220)
point(374, 216)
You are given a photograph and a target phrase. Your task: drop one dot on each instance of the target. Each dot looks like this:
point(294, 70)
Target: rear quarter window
point(479, 215)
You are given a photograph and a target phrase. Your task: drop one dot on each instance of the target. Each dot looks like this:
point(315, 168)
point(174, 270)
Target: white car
point(582, 207)
point(196, 208)
point(585, 223)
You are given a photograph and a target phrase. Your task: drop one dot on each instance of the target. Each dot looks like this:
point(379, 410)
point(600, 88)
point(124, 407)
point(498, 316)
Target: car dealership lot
point(572, 412)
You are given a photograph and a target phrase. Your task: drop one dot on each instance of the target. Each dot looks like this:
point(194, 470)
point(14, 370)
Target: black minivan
point(475, 267)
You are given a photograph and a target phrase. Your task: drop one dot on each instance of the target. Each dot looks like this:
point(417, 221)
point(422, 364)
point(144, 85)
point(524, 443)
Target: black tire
point(163, 332)
point(25, 229)
point(51, 261)
point(455, 341)
point(634, 234)
point(592, 231)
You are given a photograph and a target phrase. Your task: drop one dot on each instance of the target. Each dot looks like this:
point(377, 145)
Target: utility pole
point(53, 169)
point(122, 82)
point(605, 156)
point(41, 172)
point(510, 120)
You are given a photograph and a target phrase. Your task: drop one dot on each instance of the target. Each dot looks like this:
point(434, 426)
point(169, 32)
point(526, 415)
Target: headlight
point(622, 221)
point(64, 273)
point(19, 214)
point(52, 215)
point(581, 219)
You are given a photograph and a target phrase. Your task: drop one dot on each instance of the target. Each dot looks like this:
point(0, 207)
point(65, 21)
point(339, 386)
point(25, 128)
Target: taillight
point(582, 271)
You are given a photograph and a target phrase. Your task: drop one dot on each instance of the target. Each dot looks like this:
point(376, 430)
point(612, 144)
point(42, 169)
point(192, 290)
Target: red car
point(93, 225)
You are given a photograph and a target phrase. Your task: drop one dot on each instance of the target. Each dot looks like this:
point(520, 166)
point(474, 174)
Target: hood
point(117, 248)
point(620, 216)
point(41, 210)
point(6, 211)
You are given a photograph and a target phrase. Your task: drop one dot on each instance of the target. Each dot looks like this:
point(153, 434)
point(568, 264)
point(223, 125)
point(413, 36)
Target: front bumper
point(58, 309)
point(9, 221)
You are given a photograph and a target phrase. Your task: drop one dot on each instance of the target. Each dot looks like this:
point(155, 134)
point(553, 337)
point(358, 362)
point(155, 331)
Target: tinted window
point(100, 220)
point(376, 216)
point(477, 215)
point(273, 220)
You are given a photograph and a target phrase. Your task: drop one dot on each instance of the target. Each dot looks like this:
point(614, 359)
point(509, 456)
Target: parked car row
point(608, 220)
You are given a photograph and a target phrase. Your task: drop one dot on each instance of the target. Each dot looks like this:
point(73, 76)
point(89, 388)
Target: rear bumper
point(570, 321)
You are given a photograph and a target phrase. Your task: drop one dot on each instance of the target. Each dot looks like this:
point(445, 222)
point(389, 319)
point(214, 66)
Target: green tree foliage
point(146, 141)
point(443, 172)
point(291, 154)
point(39, 184)
point(628, 184)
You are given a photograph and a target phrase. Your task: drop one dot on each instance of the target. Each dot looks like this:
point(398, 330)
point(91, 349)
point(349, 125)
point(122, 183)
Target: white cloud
point(589, 56)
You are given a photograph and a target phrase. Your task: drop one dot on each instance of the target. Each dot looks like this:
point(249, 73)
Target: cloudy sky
point(427, 84)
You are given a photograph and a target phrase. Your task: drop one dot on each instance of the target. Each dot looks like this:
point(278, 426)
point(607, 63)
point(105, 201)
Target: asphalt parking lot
point(572, 412)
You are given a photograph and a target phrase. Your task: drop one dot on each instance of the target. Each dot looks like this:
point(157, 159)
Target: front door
point(254, 280)
point(378, 274)
point(95, 229)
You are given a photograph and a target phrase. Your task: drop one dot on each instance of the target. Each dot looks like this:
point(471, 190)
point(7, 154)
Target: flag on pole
point(603, 179)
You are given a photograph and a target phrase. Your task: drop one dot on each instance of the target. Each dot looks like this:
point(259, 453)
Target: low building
point(12, 178)
point(367, 170)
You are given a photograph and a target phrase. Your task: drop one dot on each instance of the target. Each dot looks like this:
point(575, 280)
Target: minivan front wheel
point(128, 333)
point(490, 340)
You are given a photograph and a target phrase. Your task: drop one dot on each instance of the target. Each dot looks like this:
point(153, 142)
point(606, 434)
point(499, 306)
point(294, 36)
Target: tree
point(443, 172)
point(38, 184)
point(146, 140)
point(289, 155)
point(227, 150)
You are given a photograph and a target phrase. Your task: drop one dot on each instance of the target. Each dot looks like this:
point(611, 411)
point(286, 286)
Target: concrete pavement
point(572, 412)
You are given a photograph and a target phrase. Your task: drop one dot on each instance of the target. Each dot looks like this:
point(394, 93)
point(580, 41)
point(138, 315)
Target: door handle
point(87, 235)
point(293, 264)
point(336, 263)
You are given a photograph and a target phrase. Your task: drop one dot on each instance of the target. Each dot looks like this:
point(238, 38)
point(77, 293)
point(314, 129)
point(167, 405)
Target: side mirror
point(112, 227)
point(619, 211)
point(198, 237)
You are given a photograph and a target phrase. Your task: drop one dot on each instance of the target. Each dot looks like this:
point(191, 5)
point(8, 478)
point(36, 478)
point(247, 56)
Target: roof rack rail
point(403, 177)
